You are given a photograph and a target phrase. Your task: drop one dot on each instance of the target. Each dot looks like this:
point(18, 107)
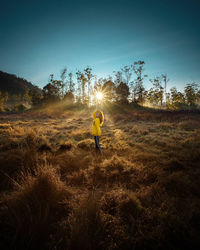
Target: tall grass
point(58, 193)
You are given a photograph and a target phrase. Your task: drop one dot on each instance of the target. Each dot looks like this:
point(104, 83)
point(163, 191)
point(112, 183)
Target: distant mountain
point(14, 85)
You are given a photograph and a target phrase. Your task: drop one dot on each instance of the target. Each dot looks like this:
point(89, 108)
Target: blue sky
point(42, 37)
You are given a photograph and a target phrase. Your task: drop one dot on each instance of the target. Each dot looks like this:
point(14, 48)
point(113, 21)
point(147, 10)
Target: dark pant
point(96, 138)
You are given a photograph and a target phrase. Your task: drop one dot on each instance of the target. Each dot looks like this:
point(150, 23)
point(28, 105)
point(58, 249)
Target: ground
point(57, 192)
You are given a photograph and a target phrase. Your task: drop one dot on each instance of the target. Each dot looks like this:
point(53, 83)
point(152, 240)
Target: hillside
point(14, 85)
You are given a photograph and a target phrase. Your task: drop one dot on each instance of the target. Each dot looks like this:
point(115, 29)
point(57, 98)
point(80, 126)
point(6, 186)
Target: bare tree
point(63, 85)
point(165, 80)
point(118, 77)
point(89, 75)
point(126, 70)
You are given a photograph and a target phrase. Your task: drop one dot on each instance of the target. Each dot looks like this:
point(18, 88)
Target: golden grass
point(57, 192)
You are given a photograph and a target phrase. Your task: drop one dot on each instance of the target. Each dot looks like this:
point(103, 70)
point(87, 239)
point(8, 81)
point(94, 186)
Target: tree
point(71, 83)
point(54, 88)
point(177, 98)
point(155, 94)
point(35, 96)
point(138, 89)
point(98, 85)
point(81, 80)
point(122, 92)
point(191, 93)
point(78, 76)
point(126, 70)
point(89, 75)
point(62, 84)
point(118, 77)
point(69, 95)
point(50, 92)
point(109, 91)
point(165, 80)
point(150, 96)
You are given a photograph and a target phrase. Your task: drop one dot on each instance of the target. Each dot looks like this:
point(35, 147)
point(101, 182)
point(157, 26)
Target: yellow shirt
point(96, 125)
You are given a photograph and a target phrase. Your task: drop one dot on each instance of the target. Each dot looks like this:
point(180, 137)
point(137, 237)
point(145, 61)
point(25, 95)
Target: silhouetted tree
point(71, 83)
point(165, 80)
point(109, 91)
point(155, 94)
point(62, 83)
point(118, 77)
point(35, 96)
point(50, 93)
point(122, 92)
point(177, 98)
point(89, 75)
point(83, 83)
point(69, 95)
point(79, 87)
point(126, 70)
point(138, 89)
point(191, 93)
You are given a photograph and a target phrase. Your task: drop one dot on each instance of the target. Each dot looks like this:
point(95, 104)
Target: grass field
point(58, 193)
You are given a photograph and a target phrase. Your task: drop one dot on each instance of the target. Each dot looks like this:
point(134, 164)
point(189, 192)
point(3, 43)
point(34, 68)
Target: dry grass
point(57, 192)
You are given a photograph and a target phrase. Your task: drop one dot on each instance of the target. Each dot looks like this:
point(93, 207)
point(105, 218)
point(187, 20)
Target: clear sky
point(38, 38)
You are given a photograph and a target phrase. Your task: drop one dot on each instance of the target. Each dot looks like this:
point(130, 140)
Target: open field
point(58, 193)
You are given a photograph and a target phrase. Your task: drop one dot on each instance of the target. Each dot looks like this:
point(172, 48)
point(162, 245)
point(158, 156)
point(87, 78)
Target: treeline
point(125, 86)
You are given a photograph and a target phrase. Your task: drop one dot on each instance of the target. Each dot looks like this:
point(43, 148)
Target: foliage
point(35, 96)
point(122, 92)
point(155, 94)
point(109, 91)
point(138, 87)
point(192, 94)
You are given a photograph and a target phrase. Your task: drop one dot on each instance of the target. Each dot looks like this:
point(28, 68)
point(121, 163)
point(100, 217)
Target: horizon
point(40, 39)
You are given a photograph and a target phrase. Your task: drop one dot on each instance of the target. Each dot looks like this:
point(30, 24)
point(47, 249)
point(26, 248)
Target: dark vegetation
point(14, 85)
point(14, 92)
point(57, 193)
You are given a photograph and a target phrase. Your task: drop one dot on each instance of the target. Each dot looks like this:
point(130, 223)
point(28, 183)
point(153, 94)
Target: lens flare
point(99, 95)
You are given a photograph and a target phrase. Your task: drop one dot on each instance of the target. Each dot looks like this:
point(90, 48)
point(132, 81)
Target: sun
point(99, 95)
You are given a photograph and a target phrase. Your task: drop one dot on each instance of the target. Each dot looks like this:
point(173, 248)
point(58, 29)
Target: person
point(97, 123)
